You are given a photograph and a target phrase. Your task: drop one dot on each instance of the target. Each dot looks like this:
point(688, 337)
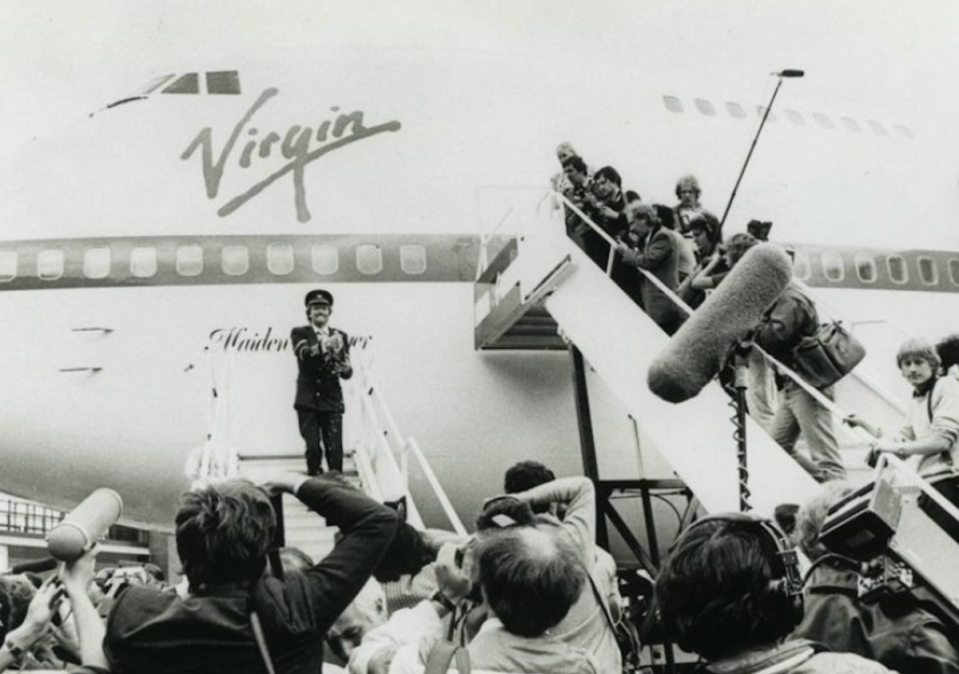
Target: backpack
point(827, 355)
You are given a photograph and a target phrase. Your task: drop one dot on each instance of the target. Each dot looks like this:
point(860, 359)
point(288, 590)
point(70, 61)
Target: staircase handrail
point(387, 428)
point(857, 432)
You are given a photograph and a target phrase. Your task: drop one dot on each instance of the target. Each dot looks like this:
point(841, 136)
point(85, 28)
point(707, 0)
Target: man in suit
point(653, 250)
point(323, 356)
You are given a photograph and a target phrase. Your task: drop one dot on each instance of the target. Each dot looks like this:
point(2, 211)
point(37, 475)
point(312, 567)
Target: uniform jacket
point(318, 383)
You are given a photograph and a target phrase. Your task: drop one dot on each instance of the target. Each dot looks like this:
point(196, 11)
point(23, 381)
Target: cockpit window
point(223, 82)
point(185, 84)
point(156, 84)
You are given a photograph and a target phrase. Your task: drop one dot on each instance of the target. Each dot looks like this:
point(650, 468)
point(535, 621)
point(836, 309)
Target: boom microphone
point(81, 528)
point(698, 350)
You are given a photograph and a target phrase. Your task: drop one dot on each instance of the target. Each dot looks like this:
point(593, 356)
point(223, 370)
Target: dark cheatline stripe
point(269, 259)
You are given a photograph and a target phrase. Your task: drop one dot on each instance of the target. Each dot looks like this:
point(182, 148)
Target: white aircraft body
point(160, 248)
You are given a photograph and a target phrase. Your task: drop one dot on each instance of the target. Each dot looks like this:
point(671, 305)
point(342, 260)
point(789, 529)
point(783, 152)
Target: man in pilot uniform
point(323, 356)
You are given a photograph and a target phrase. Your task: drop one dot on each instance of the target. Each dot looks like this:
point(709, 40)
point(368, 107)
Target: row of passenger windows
point(737, 111)
point(191, 260)
point(897, 269)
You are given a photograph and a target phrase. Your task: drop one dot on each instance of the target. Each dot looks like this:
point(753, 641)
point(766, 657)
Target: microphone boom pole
point(781, 75)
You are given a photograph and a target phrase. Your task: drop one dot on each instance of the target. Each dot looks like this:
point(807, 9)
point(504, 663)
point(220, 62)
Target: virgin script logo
point(301, 145)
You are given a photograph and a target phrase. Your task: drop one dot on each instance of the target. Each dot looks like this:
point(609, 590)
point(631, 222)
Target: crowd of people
point(684, 256)
point(682, 249)
point(530, 591)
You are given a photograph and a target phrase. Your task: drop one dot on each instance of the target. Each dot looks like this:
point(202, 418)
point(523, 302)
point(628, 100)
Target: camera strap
point(261, 642)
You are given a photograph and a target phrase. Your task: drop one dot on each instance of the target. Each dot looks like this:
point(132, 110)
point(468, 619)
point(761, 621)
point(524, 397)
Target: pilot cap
point(318, 297)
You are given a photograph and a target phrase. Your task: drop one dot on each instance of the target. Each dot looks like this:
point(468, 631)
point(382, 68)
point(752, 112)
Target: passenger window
point(413, 259)
point(50, 264)
point(801, 267)
point(96, 263)
point(369, 259)
point(866, 268)
point(795, 118)
point(735, 110)
point(187, 84)
point(8, 265)
point(953, 270)
point(823, 121)
point(143, 262)
point(673, 104)
point(705, 107)
point(897, 269)
point(235, 260)
point(903, 130)
point(832, 266)
point(850, 124)
point(189, 260)
point(326, 260)
point(761, 110)
point(877, 127)
point(928, 271)
point(279, 258)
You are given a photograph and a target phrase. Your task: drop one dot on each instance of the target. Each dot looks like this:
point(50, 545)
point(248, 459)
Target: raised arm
point(579, 495)
point(367, 528)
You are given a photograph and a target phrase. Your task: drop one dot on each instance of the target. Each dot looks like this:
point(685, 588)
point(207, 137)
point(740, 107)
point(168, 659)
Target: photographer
point(730, 592)
point(890, 628)
point(528, 580)
point(233, 616)
point(590, 622)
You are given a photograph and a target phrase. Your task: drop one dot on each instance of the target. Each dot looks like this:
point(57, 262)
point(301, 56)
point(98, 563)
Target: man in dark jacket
point(891, 629)
point(656, 253)
point(223, 535)
point(323, 357)
point(782, 327)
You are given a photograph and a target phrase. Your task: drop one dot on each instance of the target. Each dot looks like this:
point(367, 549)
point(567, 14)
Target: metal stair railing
point(858, 433)
point(382, 454)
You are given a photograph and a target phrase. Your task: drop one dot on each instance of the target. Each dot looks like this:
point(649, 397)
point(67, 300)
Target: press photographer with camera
point(888, 626)
point(731, 592)
point(526, 580)
point(234, 617)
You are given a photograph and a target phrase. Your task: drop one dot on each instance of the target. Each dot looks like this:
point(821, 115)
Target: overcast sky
point(61, 59)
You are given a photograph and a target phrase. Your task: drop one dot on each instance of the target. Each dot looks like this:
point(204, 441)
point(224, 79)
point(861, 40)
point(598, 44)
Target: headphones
point(787, 576)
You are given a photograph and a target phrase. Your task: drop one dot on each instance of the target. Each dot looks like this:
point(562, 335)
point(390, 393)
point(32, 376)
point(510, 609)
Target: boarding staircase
point(377, 459)
point(547, 271)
